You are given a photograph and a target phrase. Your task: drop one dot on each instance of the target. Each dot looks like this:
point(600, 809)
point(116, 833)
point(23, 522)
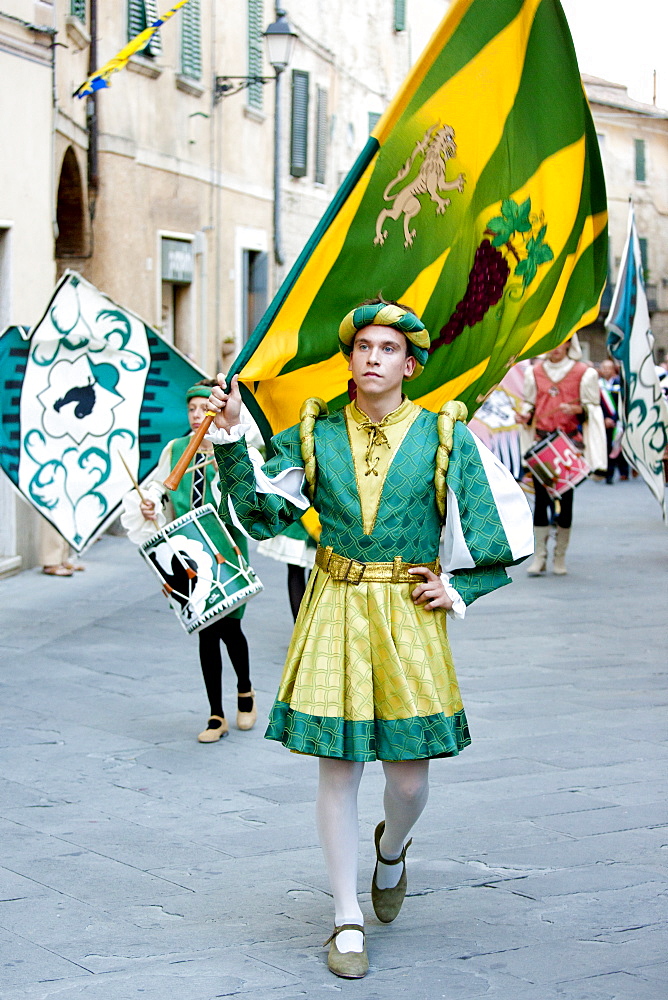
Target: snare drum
point(203, 573)
point(557, 464)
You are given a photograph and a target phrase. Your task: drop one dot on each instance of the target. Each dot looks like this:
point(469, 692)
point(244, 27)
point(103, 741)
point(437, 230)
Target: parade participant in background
point(55, 554)
point(609, 385)
point(369, 673)
point(142, 518)
point(562, 392)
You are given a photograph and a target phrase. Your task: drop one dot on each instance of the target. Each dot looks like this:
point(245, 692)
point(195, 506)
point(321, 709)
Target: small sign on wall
point(177, 261)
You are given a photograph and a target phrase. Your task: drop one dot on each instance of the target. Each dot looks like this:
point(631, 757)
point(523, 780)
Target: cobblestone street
point(138, 863)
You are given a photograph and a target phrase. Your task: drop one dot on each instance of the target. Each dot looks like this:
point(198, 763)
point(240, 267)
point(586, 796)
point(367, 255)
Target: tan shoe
point(246, 720)
point(214, 732)
point(347, 964)
point(388, 902)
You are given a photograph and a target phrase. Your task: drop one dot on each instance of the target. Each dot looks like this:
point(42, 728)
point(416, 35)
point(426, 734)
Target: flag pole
point(179, 470)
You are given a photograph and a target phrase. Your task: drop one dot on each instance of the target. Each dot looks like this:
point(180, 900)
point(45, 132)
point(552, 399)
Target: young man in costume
point(562, 393)
point(142, 519)
point(369, 673)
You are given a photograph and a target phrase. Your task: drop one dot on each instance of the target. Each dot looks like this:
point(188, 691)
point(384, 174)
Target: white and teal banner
point(90, 385)
point(644, 412)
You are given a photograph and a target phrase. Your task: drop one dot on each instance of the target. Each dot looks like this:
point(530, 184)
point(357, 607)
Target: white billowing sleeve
point(132, 519)
point(529, 391)
point(458, 609)
point(593, 428)
point(512, 510)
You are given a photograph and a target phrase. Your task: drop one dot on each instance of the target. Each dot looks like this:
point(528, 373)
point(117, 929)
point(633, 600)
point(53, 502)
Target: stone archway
point(70, 213)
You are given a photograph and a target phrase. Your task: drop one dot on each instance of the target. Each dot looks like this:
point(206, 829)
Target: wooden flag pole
point(179, 470)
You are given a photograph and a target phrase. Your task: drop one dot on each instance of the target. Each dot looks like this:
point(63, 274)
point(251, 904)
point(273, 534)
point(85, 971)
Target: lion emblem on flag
point(437, 146)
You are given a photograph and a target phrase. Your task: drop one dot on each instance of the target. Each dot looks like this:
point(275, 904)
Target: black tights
point(296, 587)
point(227, 630)
point(545, 506)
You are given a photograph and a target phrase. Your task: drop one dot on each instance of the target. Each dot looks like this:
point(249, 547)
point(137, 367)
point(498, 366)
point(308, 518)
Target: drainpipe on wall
point(91, 118)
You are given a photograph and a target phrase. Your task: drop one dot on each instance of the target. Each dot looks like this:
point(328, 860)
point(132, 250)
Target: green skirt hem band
point(378, 739)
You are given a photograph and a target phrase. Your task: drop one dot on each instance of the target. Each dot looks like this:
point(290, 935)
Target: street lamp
point(280, 43)
point(280, 37)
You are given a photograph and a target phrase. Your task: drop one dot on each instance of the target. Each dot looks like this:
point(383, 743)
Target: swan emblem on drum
point(187, 568)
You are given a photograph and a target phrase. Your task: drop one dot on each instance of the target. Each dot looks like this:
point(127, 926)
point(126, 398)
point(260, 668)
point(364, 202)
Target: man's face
point(379, 359)
point(607, 369)
point(196, 410)
point(559, 353)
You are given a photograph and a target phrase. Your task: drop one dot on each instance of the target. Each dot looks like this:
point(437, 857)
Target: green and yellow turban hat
point(387, 314)
point(198, 390)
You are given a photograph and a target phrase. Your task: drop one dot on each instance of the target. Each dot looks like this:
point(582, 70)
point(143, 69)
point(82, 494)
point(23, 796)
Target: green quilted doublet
point(407, 523)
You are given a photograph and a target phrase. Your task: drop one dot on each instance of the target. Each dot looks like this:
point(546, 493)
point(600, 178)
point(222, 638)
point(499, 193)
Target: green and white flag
point(89, 386)
point(644, 412)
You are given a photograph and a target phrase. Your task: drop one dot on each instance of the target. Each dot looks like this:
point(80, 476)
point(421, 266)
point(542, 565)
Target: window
point(191, 40)
point(640, 159)
point(255, 285)
point(299, 131)
point(399, 15)
point(142, 13)
point(321, 137)
point(644, 257)
point(78, 9)
point(255, 19)
point(374, 118)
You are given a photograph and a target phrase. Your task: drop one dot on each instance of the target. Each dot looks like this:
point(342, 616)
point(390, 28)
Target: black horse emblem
point(182, 585)
point(82, 395)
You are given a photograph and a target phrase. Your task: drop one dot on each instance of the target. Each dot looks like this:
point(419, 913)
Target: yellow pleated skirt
point(368, 675)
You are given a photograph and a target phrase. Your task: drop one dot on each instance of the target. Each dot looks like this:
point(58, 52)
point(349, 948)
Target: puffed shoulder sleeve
point(489, 523)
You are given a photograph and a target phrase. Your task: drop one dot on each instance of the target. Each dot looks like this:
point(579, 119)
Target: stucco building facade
point(633, 139)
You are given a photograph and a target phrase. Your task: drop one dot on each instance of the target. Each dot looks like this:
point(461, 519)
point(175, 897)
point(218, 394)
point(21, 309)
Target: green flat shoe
point(347, 964)
point(388, 902)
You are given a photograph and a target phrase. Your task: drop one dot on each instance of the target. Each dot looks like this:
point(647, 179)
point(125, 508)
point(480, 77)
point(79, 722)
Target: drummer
point(141, 519)
point(561, 393)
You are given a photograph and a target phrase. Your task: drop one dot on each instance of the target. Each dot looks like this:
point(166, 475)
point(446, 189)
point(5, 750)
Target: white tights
point(406, 793)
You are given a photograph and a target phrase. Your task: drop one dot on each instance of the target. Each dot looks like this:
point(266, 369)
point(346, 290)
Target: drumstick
point(136, 486)
point(179, 470)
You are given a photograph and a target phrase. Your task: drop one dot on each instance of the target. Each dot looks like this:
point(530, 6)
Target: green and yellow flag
point(478, 200)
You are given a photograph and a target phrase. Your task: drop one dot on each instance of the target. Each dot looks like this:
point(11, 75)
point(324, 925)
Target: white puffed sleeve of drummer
point(593, 428)
point(132, 519)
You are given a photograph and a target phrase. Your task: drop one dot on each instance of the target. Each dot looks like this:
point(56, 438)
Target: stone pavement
point(137, 863)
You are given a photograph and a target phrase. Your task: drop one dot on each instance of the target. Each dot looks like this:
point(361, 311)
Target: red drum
point(556, 463)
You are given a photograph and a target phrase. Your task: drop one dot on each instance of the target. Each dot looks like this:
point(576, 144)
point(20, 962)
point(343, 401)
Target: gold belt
point(352, 571)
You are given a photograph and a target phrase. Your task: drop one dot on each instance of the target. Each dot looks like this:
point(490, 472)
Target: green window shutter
point(299, 130)
point(141, 13)
point(374, 118)
point(154, 47)
point(399, 15)
point(321, 122)
point(136, 18)
point(640, 160)
point(191, 40)
point(78, 9)
point(255, 19)
point(644, 256)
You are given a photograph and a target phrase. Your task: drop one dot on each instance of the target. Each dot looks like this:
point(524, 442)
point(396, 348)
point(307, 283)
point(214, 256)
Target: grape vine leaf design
point(514, 218)
point(538, 253)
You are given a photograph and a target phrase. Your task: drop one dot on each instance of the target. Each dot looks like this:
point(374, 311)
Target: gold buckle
point(353, 564)
point(397, 565)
